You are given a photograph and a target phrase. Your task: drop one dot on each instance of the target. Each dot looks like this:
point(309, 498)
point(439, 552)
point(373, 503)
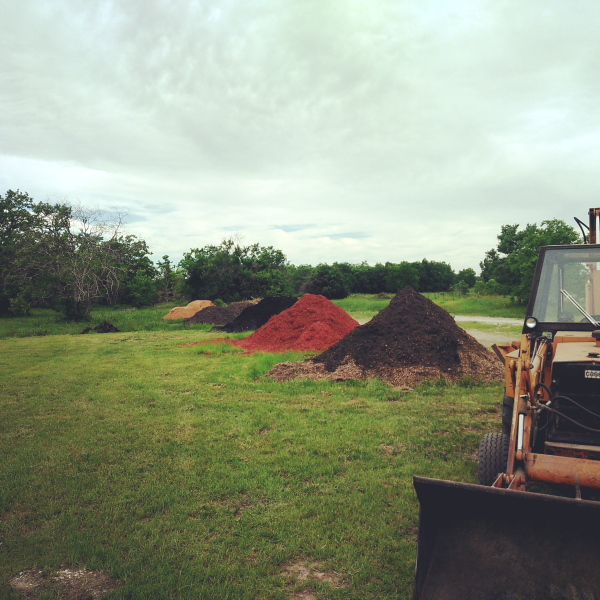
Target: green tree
point(489, 265)
point(133, 256)
point(234, 272)
point(461, 287)
point(368, 279)
point(401, 275)
point(435, 276)
point(65, 255)
point(299, 276)
point(166, 279)
point(512, 264)
point(20, 218)
point(468, 276)
point(331, 281)
point(142, 289)
point(480, 287)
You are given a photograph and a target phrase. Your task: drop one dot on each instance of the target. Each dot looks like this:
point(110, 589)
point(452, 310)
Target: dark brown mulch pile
point(254, 317)
point(104, 327)
point(219, 315)
point(411, 340)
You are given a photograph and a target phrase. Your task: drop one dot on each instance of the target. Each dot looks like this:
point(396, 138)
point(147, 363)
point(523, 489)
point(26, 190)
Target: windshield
point(567, 275)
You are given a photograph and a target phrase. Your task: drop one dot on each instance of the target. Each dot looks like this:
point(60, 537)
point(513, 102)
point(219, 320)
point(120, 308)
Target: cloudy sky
point(334, 130)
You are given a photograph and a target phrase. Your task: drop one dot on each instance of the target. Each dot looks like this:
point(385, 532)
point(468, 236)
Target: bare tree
point(75, 253)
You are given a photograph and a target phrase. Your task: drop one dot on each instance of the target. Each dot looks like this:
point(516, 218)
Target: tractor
point(525, 532)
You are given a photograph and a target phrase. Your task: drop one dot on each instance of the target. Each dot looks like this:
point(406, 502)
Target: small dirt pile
point(104, 327)
point(254, 317)
point(185, 312)
point(410, 341)
point(219, 315)
point(312, 323)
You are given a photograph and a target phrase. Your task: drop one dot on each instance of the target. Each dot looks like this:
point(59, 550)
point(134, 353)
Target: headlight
point(531, 322)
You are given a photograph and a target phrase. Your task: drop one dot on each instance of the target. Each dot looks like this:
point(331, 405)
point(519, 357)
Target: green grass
point(45, 321)
point(362, 306)
point(189, 476)
point(366, 306)
point(512, 332)
point(484, 306)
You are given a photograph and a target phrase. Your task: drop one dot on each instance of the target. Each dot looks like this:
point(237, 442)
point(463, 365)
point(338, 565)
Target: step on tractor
point(525, 532)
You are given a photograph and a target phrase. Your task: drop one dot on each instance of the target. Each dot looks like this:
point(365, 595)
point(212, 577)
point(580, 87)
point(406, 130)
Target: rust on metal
point(562, 470)
point(573, 450)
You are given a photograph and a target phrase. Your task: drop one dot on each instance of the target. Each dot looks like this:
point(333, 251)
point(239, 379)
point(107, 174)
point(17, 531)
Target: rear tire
point(493, 456)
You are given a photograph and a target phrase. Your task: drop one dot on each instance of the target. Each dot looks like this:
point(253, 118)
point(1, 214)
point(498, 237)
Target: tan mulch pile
point(186, 312)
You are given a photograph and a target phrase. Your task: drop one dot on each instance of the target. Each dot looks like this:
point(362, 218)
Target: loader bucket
point(480, 542)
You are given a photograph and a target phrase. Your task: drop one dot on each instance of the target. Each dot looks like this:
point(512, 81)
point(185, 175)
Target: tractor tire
point(507, 411)
point(493, 456)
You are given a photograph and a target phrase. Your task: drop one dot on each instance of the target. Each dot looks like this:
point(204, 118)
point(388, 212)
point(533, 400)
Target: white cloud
point(395, 130)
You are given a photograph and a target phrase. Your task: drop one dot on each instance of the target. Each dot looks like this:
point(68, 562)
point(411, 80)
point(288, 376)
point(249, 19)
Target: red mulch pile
point(410, 341)
point(312, 323)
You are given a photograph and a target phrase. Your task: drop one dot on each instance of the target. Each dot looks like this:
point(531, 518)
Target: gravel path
point(490, 320)
point(488, 338)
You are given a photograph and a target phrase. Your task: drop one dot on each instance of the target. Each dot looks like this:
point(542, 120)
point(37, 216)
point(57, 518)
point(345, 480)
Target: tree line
point(70, 257)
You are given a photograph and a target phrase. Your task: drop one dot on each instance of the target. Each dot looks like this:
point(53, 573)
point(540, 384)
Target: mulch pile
point(186, 312)
point(219, 315)
point(254, 317)
point(312, 323)
point(410, 341)
point(104, 327)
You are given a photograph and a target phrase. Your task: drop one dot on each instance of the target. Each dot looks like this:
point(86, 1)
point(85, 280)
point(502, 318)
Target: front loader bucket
point(480, 543)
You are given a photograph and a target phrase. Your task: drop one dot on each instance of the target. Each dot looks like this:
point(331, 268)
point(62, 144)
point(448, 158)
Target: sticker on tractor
point(592, 374)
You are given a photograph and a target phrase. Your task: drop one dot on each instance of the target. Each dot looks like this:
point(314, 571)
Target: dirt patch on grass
point(392, 449)
point(307, 571)
point(69, 584)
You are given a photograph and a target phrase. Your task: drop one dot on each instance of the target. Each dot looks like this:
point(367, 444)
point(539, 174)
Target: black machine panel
point(581, 383)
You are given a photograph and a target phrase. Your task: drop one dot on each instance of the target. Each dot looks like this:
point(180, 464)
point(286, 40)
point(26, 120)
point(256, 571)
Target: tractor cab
point(564, 308)
point(566, 290)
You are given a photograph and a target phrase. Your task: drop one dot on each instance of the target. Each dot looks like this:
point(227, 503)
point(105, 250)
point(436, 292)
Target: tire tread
point(493, 455)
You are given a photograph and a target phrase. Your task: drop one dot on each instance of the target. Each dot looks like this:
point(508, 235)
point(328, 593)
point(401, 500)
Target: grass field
point(486, 306)
point(45, 321)
point(188, 475)
point(365, 306)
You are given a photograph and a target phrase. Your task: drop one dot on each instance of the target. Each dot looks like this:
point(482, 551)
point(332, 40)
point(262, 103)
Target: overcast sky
point(350, 130)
